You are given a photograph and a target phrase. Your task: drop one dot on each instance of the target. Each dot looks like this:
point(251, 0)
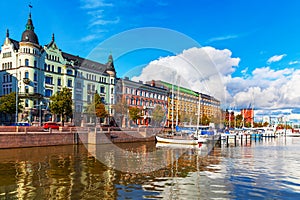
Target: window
point(78, 85)
point(70, 72)
point(26, 103)
point(49, 80)
point(102, 89)
point(26, 62)
point(45, 67)
point(48, 93)
point(59, 70)
point(26, 90)
point(26, 75)
point(35, 88)
point(69, 82)
point(35, 64)
point(59, 81)
point(52, 68)
point(35, 76)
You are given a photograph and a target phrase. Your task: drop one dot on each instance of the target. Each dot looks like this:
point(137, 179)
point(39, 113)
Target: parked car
point(51, 125)
point(21, 124)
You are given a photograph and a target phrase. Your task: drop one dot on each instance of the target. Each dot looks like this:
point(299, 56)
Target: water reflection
point(268, 169)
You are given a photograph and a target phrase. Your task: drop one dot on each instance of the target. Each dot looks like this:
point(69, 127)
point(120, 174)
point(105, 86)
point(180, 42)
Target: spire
point(29, 35)
point(29, 25)
point(110, 64)
point(7, 33)
point(52, 37)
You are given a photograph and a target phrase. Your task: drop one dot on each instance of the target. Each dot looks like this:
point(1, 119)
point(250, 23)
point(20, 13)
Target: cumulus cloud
point(201, 69)
point(210, 70)
point(275, 58)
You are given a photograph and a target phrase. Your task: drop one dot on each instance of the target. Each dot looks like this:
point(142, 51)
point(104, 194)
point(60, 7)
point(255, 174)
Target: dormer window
point(70, 72)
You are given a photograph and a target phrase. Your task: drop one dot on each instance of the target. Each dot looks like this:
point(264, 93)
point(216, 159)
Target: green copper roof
point(181, 89)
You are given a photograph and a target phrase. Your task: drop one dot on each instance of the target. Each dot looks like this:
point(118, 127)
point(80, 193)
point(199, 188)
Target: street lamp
point(17, 87)
point(41, 104)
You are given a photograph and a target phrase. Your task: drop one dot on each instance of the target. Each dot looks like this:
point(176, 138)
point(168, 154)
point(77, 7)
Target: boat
point(177, 140)
point(189, 135)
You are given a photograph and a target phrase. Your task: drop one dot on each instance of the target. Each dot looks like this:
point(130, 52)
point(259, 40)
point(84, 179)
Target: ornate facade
point(37, 72)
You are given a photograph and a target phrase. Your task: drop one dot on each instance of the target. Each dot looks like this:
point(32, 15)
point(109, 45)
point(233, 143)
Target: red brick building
point(248, 115)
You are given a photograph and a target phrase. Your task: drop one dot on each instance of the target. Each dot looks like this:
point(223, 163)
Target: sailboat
point(192, 135)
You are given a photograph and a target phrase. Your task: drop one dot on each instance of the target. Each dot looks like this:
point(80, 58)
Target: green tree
point(205, 120)
point(61, 104)
point(158, 115)
point(134, 113)
point(8, 104)
point(239, 120)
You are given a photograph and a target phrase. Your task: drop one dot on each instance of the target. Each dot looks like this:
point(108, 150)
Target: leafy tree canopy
point(61, 103)
point(134, 113)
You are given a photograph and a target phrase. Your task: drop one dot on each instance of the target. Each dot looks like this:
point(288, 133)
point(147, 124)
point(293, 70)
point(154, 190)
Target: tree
point(134, 113)
point(8, 104)
point(61, 104)
point(158, 115)
point(239, 120)
point(120, 109)
point(97, 108)
point(205, 120)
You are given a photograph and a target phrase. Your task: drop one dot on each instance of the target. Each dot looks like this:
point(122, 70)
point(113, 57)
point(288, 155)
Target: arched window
point(26, 62)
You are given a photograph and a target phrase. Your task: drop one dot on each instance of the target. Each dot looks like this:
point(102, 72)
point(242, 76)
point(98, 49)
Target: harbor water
point(264, 169)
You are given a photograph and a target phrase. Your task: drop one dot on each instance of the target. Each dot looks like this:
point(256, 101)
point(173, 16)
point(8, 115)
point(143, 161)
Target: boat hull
point(177, 140)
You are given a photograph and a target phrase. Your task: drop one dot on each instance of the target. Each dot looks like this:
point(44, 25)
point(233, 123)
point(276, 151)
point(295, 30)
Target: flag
point(30, 6)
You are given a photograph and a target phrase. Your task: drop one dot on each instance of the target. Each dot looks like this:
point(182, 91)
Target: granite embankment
point(16, 137)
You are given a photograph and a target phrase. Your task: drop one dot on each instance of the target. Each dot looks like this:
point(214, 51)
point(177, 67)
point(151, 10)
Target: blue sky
point(262, 34)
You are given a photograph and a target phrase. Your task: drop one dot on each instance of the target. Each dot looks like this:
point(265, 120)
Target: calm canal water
point(268, 169)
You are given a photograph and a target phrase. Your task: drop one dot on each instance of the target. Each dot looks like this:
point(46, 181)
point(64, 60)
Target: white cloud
point(104, 22)
point(97, 11)
point(226, 37)
point(201, 69)
point(294, 62)
point(276, 58)
point(209, 70)
point(92, 4)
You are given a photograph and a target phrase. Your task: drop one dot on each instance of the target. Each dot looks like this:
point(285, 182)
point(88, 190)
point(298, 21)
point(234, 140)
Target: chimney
point(153, 83)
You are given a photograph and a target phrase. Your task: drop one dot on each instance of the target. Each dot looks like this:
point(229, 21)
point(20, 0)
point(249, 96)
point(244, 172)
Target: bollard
point(235, 140)
point(242, 140)
point(227, 140)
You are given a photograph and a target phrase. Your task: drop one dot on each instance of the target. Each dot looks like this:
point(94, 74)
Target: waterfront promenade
point(15, 137)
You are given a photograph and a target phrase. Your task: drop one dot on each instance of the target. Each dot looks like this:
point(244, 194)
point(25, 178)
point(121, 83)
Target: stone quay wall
point(18, 137)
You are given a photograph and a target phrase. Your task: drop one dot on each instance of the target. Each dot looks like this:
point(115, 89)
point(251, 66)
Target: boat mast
point(198, 118)
point(177, 104)
point(172, 102)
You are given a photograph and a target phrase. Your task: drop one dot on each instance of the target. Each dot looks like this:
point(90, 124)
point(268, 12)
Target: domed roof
point(29, 35)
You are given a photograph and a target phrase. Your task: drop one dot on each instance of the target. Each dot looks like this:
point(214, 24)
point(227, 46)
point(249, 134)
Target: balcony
point(30, 95)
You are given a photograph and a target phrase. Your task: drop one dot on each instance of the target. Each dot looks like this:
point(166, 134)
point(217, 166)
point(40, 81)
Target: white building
point(37, 72)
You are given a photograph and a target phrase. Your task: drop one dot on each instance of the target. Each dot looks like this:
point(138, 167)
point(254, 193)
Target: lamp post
point(17, 91)
point(41, 104)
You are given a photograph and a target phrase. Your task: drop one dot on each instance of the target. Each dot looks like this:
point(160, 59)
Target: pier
point(247, 139)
